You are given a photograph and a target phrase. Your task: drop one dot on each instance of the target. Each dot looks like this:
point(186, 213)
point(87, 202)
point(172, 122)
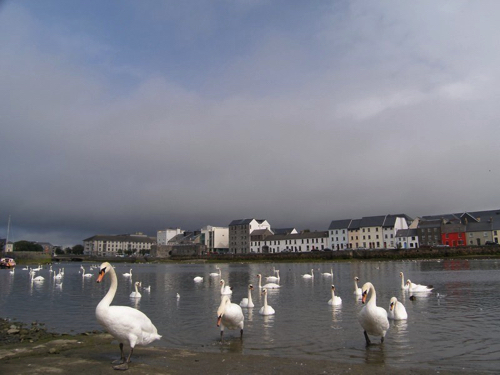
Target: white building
point(163, 236)
point(338, 234)
point(216, 238)
point(297, 242)
point(407, 239)
point(108, 246)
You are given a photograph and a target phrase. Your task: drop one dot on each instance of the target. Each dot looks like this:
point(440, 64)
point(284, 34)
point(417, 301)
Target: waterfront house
point(338, 234)
point(239, 234)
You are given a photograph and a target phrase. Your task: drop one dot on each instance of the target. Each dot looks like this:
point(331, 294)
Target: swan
point(403, 286)
point(147, 288)
point(357, 290)
point(266, 309)
point(268, 285)
point(136, 294)
point(39, 278)
point(247, 302)
point(336, 300)
point(274, 278)
point(372, 318)
point(225, 290)
point(328, 274)
point(128, 274)
point(418, 287)
point(85, 274)
point(397, 310)
point(308, 276)
point(124, 323)
point(178, 296)
point(215, 274)
point(230, 315)
point(198, 279)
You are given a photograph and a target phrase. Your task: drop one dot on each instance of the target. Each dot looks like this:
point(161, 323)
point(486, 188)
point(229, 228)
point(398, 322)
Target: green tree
point(27, 246)
point(59, 251)
point(77, 250)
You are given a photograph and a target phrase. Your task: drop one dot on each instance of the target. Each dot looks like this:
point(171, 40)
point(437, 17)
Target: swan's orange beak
point(218, 320)
point(363, 299)
point(392, 306)
point(101, 275)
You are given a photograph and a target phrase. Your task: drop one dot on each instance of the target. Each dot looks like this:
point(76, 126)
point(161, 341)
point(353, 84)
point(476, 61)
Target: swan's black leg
point(382, 340)
point(221, 336)
point(124, 366)
point(368, 342)
point(241, 334)
point(122, 355)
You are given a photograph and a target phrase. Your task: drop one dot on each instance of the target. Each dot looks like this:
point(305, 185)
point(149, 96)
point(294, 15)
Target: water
point(459, 331)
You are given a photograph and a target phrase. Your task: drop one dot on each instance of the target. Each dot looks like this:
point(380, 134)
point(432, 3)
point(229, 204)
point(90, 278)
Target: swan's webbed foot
point(122, 356)
point(368, 342)
point(122, 367)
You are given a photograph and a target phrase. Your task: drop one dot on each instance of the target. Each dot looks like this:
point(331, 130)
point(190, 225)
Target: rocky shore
point(30, 349)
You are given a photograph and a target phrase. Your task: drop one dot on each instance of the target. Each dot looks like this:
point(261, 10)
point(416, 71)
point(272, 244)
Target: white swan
point(357, 290)
point(229, 315)
point(124, 323)
point(266, 309)
point(309, 276)
point(198, 279)
point(247, 302)
point(147, 288)
point(336, 300)
point(86, 274)
point(418, 287)
point(403, 285)
point(274, 278)
point(225, 290)
point(397, 310)
point(215, 274)
point(39, 278)
point(136, 294)
point(128, 274)
point(372, 318)
point(268, 285)
point(178, 296)
point(328, 274)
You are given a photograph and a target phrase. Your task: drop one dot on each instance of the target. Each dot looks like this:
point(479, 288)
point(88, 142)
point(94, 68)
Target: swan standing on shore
point(336, 300)
point(136, 294)
point(229, 315)
point(397, 310)
point(124, 323)
point(268, 285)
point(266, 309)
point(372, 318)
point(247, 302)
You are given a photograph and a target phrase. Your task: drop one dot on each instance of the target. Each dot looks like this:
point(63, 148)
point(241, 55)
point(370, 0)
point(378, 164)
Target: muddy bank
point(93, 352)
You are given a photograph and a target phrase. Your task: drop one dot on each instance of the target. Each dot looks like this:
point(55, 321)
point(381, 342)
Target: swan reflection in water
point(375, 355)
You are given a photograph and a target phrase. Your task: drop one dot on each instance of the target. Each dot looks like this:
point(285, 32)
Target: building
point(111, 245)
point(163, 236)
point(339, 234)
point(216, 239)
point(407, 238)
point(239, 234)
point(354, 234)
point(263, 241)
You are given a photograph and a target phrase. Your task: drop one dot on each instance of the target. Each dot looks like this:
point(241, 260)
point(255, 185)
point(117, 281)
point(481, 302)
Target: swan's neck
point(249, 296)
point(355, 284)
point(136, 290)
point(260, 284)
point(373, 297)
point(333, 294)
point(402, 281)
point(222, 286)
point(265, 300)
point(108, 298)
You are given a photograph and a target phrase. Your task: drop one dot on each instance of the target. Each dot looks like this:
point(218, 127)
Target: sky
point(136, 116)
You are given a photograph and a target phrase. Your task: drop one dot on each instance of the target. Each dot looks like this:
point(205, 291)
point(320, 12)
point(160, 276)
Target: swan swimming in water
point(247, 302)
point(328, 274)
point(336, 300)
point(198, 279)
point(309, 276)
point(128, 274)
point(215, 274)
point(225, 290)
point(268, 285)
point(266, 309)
point(124, 323)
point(397, 310)
point(403, 285)
point(136, 294)
point(357, 290)
point(274, 278)
point(229, 315)
point(372, 318)
point(418, 287)
point(85, 274)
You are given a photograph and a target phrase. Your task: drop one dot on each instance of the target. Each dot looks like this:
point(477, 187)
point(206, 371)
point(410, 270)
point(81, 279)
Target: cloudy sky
point(125, 116)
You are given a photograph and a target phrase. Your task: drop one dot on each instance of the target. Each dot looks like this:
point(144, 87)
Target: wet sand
point(93, 354)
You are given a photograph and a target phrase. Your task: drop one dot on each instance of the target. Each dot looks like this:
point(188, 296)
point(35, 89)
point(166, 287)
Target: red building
point(453, 234)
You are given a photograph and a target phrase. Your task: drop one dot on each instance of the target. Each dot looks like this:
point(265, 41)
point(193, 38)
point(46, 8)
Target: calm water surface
point(459, 331)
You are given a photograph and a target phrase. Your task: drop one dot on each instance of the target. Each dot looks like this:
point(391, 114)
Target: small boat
point(7, 263)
